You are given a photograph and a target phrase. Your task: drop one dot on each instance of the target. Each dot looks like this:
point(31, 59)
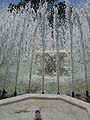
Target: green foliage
point(61, 14)
point(61, 11)
point(50, 87)
point(66, 88)
point(17, 7)
point(35, 4)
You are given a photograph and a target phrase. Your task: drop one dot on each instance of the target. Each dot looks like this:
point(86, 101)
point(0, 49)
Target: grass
point(66, 88)
point(50, 88)
point(22, 87)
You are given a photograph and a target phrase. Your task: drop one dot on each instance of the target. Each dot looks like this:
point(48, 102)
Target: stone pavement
point(51, 108)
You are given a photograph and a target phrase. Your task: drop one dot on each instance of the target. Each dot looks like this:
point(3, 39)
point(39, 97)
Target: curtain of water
point(83, 49)
point(8, 57)
point(57, 47)
point(32, 53)
point(69, 18)
point(43, 48)
point(18, 58)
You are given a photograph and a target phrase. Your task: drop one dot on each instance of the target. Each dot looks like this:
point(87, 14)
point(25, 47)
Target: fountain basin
point(52, 107)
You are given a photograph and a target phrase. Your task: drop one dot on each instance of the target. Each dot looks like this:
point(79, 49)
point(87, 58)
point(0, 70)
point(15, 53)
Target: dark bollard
point(87, 93)
point(42, 92)
point(15, 93)
point(29, 92)
point(3, 92)
point(58, 93)
point(0, 91)
point(73, 95)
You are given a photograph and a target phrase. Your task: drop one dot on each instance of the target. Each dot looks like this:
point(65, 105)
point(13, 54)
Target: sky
point(9, 1)
point(75, 2)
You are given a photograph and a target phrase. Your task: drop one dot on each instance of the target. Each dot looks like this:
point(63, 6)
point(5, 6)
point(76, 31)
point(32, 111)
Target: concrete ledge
point(73, 101)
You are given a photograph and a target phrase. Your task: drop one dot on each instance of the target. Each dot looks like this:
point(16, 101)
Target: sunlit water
point(29, 50)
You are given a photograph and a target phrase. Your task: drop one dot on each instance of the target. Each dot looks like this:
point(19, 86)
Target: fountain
point(27, 37)
point(35, 50)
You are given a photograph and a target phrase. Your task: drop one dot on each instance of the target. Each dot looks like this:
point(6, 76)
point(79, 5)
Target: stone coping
point(70, 100)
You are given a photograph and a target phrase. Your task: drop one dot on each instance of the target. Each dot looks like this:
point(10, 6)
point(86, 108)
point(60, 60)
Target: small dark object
point(37, 111)
point(37, 115)
point(0, 91)
point(29, 92)
point(58, 93)
point(42, 92)
point(73, 95)
point(15, 93)
point(87, 93)
point(4, 92)
point(3, 95)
